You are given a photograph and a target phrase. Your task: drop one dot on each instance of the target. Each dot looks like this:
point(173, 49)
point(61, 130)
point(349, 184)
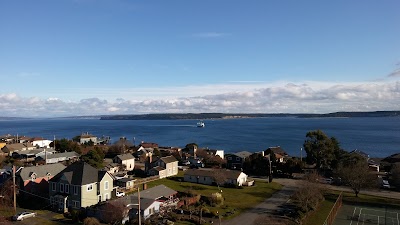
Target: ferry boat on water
point(200, 124)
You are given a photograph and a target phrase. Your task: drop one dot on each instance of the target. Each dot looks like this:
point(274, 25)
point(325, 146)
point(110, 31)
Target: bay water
point(377, 136)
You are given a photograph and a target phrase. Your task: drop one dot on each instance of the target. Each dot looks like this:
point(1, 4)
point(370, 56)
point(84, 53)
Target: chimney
point(150, 157)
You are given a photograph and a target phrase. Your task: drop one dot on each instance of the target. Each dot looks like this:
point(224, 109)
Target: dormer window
point(33, 176)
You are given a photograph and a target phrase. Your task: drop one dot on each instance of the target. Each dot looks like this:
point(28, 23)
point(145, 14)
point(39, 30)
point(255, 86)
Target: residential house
point(2, 144)
point(10, 148)
point(216, 152)
point(112, 168)
point(58, 157)
point(35, 179)
point(86, 138)
point(30, 155)
point(279, 153)
point(80, 185)
point(125, 183)
point(235, 160)
point(164, 166)
point(213, 176)
point(5, 174)
point(372, 165)
point(128, 160)
point(40, 142)
point(149, 145)
point(152, 201)
point(195, 162)
point(123, 144)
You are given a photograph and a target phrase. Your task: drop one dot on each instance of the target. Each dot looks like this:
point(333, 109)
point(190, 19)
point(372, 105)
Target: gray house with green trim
point(79, 185)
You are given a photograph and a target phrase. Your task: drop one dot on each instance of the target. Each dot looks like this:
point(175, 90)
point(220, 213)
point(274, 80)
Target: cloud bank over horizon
point(306, 97)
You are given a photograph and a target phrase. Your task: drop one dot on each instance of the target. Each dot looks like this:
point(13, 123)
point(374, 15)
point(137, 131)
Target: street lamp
point(219, 218)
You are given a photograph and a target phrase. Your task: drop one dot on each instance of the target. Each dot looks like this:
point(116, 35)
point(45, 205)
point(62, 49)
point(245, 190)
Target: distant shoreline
point(215, 116)
point(203, 116)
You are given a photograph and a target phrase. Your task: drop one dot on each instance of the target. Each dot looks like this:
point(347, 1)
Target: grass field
point(236, 199)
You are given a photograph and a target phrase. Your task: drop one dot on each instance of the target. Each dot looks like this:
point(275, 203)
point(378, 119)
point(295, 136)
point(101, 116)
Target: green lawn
point(318, 217)
point(236, 199)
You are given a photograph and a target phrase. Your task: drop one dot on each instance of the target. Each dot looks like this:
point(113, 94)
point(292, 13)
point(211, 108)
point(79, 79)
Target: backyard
point(236, 200)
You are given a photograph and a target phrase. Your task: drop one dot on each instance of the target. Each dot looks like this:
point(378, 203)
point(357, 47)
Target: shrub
point(91, 221)
point(216, 199)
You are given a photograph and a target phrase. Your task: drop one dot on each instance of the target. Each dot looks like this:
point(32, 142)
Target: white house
point(164, 167)
point(40, 142)
point(125, 159)
point(209, 176)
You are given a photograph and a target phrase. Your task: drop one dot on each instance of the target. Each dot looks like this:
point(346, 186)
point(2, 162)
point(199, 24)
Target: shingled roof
point(229, 174)
point(125, 156)
point(78, 173)
point(168, 159)
point(40, 171)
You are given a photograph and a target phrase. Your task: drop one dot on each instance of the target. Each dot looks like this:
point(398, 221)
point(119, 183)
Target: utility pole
point(14, 190)
point(140, 217)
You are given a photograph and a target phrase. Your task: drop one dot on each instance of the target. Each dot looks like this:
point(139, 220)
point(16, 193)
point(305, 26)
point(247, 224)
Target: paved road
point(268, 206)
point(282, 196)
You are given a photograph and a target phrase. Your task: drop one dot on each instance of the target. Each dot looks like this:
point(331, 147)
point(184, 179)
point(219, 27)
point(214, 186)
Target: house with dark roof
point(372, 164)
point(164, 167)
point(35, 179)
point(79, 185)
point(10, 148)
point(211, 176)
point(235, 161)
point(128, 160)
point(5, 174)
point(279, 153)
point(58, 157)
point(152, 200)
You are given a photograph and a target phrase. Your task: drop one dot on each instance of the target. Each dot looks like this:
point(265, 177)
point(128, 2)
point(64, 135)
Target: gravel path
point(266, 207)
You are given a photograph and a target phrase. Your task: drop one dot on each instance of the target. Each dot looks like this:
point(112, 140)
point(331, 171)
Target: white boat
point(200, 124)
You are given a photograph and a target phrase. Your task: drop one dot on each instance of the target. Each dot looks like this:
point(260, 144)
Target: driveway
point(268, 206)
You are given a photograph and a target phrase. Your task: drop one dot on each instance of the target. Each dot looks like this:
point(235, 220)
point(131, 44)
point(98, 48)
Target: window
point(229, 158)
point(76, 189)
point(237, 159)
point(67, 188)
point(90, 187)
point(53, 186)
point(106, 185)
point(61, 188)
point(76, 204)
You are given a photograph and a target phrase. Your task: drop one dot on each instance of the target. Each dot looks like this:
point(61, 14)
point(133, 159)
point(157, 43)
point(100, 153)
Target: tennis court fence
point(332, 214)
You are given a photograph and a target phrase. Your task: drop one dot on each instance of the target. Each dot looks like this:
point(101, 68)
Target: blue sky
point(85, 57)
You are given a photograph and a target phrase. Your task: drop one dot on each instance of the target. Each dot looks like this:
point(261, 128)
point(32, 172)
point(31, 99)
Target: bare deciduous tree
point(114, 212)
point(307, 197)
point(355, 172)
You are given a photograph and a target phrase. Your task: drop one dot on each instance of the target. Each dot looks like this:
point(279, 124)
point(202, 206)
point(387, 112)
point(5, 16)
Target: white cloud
point(305, 97)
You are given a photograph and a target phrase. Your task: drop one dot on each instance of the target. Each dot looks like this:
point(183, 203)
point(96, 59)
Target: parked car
point(120, 194)
point(23, 215)
point(385, 184)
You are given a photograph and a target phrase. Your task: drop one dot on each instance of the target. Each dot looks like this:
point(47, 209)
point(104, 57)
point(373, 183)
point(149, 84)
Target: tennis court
point(360, 215)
